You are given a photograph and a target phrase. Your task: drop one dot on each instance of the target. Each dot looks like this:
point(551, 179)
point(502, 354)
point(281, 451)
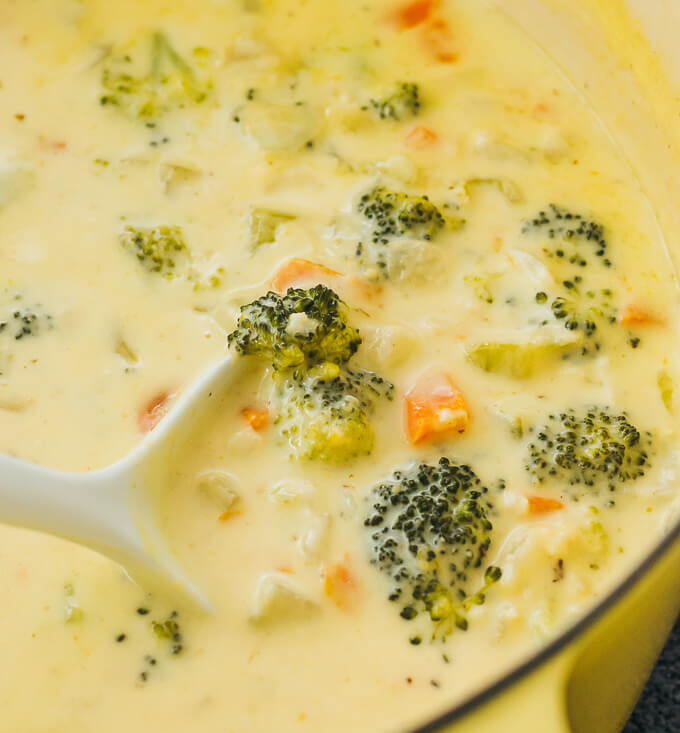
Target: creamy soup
point(453, 323)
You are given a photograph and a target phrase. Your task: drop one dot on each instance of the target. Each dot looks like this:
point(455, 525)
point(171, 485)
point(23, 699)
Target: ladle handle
point(88, 508)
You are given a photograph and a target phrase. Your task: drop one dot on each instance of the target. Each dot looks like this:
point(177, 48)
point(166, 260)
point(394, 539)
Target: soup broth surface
point(386, 518)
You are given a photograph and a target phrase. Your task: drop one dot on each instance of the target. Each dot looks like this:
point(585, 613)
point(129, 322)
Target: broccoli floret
point(586, 313)
point(169, 630)
point(160, 249)
point(569, 230)
point(402, 102)
point(391, 216)
point(573, 241)
point(324, 413)
point(148, 89)
point(321, 407)
point(302, 328)
point(429, 532)
point(163, 250)
point(593, 448)
point(24, 321)
point(395, 214)
point(587, 316)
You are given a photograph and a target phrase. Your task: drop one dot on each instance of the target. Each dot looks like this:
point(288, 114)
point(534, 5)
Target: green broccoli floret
point(321, 407)
point(302, 328)
point(324, 413)
point(393, 216)
point(163, 250)
point(401, 102)
point(569, 231)
point(160, 249)
point(21, 321)
point(575, 319)
point(593, 448)
point(158, 83)
point(587, 316)
point(169, 630)
point(429, 533)
point(574, 240)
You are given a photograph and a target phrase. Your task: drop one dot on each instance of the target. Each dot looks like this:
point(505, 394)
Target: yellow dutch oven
point(588, 679)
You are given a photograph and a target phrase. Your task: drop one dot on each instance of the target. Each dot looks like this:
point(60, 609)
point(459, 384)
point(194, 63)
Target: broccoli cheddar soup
point(452, 423)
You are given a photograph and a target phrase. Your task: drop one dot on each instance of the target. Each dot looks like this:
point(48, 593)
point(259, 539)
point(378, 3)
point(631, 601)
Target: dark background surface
point(659, 708)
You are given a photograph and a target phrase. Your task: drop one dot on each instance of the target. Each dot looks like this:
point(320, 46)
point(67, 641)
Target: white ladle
point(113, 510)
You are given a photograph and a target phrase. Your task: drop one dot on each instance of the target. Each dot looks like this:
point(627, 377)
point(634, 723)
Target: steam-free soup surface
point(452, 317)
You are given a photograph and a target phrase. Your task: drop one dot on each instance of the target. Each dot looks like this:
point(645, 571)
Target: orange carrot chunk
point(413, 13)
point(634, 315)
point(434, 407)
point(52, 145)
point(540, 111)
point(439, 42)
point(256, 417)
point(339, 583)
point(420, 137)
point(298, 272)
point(543, 505)
point(231, 514)
point(153, 412)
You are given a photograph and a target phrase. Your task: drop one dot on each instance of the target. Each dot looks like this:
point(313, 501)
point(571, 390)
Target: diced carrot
point(420, 137)
point(635, 315)
point(298, 272)
point(412, 13)
point(360, 288)
point(54, 146)
point(231, 514)
point(446, 57)
point(153, 412)
point(339, 583)
point(540, 111)
point(256, 417)
point(543, 505)
point(434, 407)
point(439, 42)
